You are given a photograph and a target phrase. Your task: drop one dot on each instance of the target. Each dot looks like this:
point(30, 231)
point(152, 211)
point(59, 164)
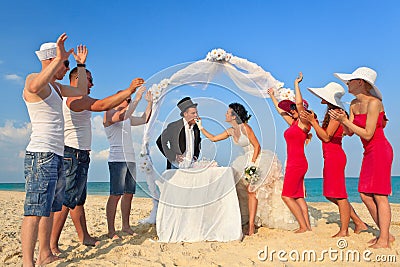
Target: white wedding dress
point(271, 210)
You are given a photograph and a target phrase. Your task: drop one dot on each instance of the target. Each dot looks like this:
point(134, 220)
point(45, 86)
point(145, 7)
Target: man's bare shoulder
point(29, 78)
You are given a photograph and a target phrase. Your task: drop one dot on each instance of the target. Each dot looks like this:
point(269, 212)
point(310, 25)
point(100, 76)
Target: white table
point(198, 205)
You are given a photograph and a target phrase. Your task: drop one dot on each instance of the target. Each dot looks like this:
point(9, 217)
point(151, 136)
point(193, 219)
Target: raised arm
point(214, 138)
point(132, 106)
point(35, 83)
point(81, 89)
point(299, 97)
point(281, 112)
point(146, 114)
point(325, 135)
point(373, 109)
point(92, 104)
point(254, 142)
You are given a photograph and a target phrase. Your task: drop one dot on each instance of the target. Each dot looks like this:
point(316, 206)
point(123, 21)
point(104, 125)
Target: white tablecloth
point(198, 205)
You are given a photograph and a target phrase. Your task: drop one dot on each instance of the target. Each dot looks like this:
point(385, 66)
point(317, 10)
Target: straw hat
point(331, 93)
point(285, 104)
point(47, 51)
point(364, 73)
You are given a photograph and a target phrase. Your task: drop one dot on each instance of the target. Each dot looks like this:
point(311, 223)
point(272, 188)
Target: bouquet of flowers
point(251, 174)
point(157, 89)
point(218, 55)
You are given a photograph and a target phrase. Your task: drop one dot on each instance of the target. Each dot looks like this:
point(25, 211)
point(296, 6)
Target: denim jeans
point(44, 183)
point(76, 166)
point(122, 178)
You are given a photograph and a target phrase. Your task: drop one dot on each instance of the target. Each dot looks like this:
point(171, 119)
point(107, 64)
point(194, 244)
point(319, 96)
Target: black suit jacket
point(172, 141)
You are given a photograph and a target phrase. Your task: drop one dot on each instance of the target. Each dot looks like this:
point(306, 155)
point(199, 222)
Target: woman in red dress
point(367, 120)
point(331, 133)
point(296, 164)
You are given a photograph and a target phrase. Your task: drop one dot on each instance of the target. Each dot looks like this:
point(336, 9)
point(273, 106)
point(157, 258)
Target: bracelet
point(81, 65)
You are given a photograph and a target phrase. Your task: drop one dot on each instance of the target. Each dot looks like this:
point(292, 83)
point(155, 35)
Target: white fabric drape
point(198, 205)
point(248, 77)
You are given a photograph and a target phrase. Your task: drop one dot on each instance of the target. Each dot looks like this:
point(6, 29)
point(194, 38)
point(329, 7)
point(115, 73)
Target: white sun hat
point(47, 51)
point(331, 93)
point(364, 73)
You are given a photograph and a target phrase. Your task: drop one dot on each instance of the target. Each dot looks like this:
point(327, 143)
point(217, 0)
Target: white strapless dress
point(271, 210)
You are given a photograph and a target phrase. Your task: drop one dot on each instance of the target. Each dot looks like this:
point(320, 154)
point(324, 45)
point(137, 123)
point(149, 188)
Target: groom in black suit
point(180, 141)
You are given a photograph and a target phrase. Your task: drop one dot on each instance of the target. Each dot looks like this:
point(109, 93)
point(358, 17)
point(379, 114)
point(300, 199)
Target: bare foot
point(301, 230)
point(360, 228)
point(129, 231)
point(56, 251)
point(380, 244)
point(47, 260)
point(341, 234)
point(374, 240)
point(91, 242)
point(251, 230)
point(113, 236)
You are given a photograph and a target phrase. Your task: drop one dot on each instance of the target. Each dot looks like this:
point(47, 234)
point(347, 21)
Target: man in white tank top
point(77, 133)
point(121, 162)
point(44, 176)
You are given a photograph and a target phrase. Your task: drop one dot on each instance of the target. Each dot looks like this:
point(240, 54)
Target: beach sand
point(144, 250)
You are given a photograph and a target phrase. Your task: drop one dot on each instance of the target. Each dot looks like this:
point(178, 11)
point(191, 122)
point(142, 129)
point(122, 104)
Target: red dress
point(296, 163)
point(375, 175)
point(334, 164)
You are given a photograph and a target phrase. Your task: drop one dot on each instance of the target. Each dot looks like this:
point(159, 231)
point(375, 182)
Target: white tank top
point(77, 128)
point(121, 145)
point(47, 124)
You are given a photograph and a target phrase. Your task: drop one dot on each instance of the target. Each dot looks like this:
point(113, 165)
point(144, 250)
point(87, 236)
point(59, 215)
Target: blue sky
point(128, 39)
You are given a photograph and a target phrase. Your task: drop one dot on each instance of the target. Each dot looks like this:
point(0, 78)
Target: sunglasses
point(66, 63)
point(89, 79)
point(293, 107)
point(128, 100)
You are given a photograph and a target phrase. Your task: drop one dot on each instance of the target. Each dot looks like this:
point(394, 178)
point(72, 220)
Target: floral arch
point(247, 76)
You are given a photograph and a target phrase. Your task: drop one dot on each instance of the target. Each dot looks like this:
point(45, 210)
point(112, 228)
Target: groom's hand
point(179, 158)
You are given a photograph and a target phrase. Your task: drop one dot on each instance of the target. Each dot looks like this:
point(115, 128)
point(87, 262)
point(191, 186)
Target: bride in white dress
point(260, 201)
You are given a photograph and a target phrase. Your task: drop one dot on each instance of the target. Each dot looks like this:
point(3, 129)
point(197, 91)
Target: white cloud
point(13, 141)
point(13, 135)
point(13, 77)
point(101, 155)
point(97, 126)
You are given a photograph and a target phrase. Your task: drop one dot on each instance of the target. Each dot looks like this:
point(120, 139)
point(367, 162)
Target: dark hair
point(327, 118)
point(240, 112)
point(74, 72)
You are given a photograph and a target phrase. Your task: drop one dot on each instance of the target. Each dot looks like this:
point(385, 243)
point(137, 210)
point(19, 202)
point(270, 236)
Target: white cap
point(47, 51)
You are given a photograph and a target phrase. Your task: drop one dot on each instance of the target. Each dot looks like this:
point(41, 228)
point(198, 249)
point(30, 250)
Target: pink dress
point(375, 175)
point(296, 163)
point(334, 165)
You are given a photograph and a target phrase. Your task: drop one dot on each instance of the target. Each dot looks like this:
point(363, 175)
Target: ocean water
point(313, 188)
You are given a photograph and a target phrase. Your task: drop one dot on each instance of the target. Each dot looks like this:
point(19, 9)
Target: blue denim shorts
point(76, 166)
point(44, 183)
point(122, 178)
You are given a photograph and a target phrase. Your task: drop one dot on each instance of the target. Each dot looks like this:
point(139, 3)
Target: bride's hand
point(198, 122)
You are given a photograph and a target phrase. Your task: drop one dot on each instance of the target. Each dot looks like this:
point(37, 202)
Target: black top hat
point(186, 103)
